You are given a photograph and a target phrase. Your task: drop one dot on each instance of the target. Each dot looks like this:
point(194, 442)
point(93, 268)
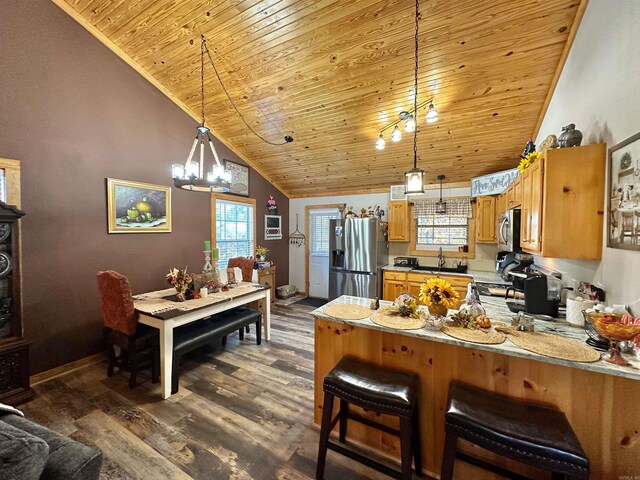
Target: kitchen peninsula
point(591, 395)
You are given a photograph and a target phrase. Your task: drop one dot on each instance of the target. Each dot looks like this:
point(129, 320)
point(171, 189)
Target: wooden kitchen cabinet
point(514, 194)
point(393, 284)
point(563, 203)
point(398, 214)
point(486, 219)
point(501, 203)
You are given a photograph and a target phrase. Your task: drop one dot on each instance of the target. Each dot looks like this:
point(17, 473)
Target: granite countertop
point(497, 310)
point(478, 276)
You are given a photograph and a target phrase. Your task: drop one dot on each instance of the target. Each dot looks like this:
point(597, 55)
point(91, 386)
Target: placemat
point(475, 335)
point(347, 312)
point(396, 321)
point(554, 346)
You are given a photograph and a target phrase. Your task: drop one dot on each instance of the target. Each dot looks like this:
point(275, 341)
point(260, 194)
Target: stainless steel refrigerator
point(358, 250)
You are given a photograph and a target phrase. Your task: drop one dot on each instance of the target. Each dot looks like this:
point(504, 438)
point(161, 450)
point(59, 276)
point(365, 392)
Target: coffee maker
point(541, 295)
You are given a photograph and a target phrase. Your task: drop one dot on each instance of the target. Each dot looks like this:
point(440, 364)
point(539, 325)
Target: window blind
point(234, 230)
point(319, 231)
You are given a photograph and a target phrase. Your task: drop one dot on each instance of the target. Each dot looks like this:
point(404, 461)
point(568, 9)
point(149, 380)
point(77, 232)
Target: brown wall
point(75, 114)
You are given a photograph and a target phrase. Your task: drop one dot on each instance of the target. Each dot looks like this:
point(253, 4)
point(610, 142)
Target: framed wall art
point(134, 207)
point(239, 178)
point(623, 219)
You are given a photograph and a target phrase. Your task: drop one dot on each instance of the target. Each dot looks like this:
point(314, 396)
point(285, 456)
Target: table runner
point(156, 302)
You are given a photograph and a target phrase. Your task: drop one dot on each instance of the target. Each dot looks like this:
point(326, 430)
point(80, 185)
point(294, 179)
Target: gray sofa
point(30, 451)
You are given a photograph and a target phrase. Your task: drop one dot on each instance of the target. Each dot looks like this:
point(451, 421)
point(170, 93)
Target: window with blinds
point(319, 231)
point(441, 231)
point(234, 230)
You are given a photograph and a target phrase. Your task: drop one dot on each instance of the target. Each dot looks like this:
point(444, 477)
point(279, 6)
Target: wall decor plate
point(5, 264)
point(5, 231)
point(239, 178)
point(135, 207)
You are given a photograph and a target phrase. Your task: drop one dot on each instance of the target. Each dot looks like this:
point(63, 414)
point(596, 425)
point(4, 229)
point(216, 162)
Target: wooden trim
point(67, 368)
point(69, 10)
point(563, 59)
point(307, 209)
point(12, 175)
point(362, 191)
point(237, 199)
point(434, 253)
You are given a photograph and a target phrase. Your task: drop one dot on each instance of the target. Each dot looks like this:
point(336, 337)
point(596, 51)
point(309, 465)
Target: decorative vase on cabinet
point(14, 349)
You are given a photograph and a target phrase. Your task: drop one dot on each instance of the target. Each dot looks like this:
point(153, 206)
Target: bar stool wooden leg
point(417, 450)
point(448, 457)
point(344, 411)
point(325, 430)
point(406, 453)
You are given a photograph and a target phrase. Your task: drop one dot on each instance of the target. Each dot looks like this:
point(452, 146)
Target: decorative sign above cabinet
point(493, 183)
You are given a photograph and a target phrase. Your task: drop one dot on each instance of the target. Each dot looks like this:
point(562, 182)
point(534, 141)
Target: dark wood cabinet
point(14, 349)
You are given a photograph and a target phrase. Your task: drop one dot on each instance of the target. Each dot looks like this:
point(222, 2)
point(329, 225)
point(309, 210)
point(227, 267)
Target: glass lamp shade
point(432, 114)
point(413, 184)
point(380, 143)
point(218, 171)
point(441, 207)
point(396, 136)
point(193, 169)
point(177, 170)
point(410, 124)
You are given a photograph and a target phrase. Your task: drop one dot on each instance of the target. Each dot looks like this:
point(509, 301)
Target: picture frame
point(136, 207)
point(239, 178)
point(623, 195)
point(272, 227)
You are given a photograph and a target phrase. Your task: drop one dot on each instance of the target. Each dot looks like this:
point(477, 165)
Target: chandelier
point(191, 176)
point(409, 119)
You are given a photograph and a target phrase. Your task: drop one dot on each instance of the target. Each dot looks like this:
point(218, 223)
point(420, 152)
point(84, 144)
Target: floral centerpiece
point(528, 159)
point(439, 296)
point(180, 280)
point(261, 253)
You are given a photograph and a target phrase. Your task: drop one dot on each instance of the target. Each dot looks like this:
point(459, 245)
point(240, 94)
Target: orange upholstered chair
point(137, 342)
point(245, 264)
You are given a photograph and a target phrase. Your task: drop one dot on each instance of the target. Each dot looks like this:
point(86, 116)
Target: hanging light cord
point(415, 93)
point(202, 49)
point(205, 49)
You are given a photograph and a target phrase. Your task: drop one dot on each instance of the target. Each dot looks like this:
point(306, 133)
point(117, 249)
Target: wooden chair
point(627, 229)
point(246, 265)
point(138, 343)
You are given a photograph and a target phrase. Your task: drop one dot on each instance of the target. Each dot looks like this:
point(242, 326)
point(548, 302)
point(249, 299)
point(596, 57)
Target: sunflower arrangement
point(438, 291)
point(528, 160)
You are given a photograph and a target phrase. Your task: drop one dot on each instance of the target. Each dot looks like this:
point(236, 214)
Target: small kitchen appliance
point(541, 294)
point(405, 262)
point(508, 230)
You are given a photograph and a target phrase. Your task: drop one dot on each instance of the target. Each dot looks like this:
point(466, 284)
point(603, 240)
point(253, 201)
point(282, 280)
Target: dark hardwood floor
point(242, 412)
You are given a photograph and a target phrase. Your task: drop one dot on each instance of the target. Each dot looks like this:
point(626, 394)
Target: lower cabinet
point(395, 283)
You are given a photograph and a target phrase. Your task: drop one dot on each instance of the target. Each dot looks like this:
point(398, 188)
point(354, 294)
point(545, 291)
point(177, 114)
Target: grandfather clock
point(14, 349)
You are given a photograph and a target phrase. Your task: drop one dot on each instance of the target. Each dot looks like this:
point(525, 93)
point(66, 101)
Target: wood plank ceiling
point(332, 73)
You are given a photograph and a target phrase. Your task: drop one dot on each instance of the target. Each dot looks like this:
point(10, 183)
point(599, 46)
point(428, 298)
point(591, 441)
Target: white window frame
point(250, 202)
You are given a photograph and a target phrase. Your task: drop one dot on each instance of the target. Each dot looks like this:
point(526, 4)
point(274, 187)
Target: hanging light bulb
point(380, 143)
point(432, 114)
point(192, 169)
point(410, 124)
point(177, 170)
point(396, 136)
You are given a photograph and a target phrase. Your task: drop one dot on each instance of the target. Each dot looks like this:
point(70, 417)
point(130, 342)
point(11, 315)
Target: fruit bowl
point(611, 327)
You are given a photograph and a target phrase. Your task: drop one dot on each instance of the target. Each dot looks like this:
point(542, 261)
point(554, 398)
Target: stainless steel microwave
point(508, 230)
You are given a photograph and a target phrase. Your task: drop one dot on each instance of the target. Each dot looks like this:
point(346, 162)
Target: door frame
point(307, 211)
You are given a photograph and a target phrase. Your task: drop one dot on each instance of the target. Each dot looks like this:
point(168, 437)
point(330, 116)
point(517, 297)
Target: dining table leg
point(266, 314)
point(166, 357)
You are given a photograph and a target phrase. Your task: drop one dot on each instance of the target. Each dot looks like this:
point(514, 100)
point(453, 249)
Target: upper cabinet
point(486, 219)
point(514, 194)
point(563, 203)
point(398, 221)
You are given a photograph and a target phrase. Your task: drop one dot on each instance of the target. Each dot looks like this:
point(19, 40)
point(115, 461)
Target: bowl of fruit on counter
point(615, 328)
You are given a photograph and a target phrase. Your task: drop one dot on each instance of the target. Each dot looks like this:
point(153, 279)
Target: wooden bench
point(207, 332)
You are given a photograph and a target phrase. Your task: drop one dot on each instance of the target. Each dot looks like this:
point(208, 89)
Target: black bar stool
point(529, 433)
point(384, 391)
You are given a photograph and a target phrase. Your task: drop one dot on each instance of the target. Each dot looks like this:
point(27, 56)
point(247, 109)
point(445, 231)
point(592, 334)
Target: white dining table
point(156, 310)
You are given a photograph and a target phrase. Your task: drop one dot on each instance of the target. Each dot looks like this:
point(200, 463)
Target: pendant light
point(441, 207)
point(191, 176)
point(396, 136)
point(380, 143)
point(414, 178)
point(432, 114)
point(410, 124)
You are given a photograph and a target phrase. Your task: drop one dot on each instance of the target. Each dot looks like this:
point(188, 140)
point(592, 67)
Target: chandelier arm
point(202, 159)
point(208, 52)
point(191, 152)
point(213, 150)
point(411, 112)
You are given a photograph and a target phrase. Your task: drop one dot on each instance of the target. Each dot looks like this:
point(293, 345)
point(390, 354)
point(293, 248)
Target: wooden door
point(517, 193)
point(525, 217)
point(486, 219)
point(392, 289)
point(535, 212)
point(398, 221)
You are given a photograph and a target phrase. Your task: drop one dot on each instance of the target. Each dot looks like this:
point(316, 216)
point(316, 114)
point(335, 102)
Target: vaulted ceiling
point(333, 73)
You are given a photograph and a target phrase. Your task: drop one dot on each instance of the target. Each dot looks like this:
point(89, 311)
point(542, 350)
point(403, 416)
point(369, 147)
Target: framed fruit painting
point(135, 207)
